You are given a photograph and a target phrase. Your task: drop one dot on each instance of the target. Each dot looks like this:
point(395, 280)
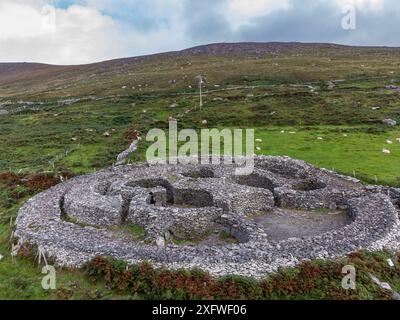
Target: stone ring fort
point(285, 212)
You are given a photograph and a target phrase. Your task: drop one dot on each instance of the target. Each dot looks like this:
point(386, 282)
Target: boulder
point(390, 122)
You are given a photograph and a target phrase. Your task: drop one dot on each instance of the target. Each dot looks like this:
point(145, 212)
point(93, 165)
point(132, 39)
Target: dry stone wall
point(77, 220)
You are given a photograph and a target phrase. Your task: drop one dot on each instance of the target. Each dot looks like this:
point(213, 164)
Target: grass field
point(286, 97)
point(338, 148)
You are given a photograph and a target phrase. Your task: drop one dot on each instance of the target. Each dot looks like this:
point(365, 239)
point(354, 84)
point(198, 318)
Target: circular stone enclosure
point(195, 216)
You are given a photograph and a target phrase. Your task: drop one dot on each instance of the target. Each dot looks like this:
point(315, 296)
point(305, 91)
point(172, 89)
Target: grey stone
point(390, 122)
point(191, 201)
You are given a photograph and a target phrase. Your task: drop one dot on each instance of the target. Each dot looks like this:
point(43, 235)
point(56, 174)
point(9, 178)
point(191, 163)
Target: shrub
point(20, 185)
point(311, 280)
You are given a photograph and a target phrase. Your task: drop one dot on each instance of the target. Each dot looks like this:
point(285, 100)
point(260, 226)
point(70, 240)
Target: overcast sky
point(83, 31)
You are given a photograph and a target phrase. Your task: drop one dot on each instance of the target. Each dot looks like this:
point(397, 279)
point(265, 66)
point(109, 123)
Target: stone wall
point(192, 200)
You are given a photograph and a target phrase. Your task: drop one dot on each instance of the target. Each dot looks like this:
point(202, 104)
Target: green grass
point(225, 236)
point(137, 232)
point(183, 242)
point(192, 242)
point(322, 210)
point(359, 152)
point(75, 221)
point(21, 278)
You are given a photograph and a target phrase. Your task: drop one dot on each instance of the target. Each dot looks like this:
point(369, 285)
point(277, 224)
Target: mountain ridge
point(219, 48)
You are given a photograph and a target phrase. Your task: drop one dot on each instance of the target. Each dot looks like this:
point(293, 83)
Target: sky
point(85, 31)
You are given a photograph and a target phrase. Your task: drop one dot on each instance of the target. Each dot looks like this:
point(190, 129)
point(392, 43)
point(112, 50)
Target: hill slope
point(222, 64)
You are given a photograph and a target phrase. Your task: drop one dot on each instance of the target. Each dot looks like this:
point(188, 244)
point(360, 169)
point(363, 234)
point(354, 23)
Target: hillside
point(258, 85)
point(221, 63)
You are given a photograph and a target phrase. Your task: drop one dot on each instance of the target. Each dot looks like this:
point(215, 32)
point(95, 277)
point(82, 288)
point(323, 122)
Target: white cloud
point(82, 19)
point(19, 20)
point(80, 34)
point(363, 4)
point(240, 12)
